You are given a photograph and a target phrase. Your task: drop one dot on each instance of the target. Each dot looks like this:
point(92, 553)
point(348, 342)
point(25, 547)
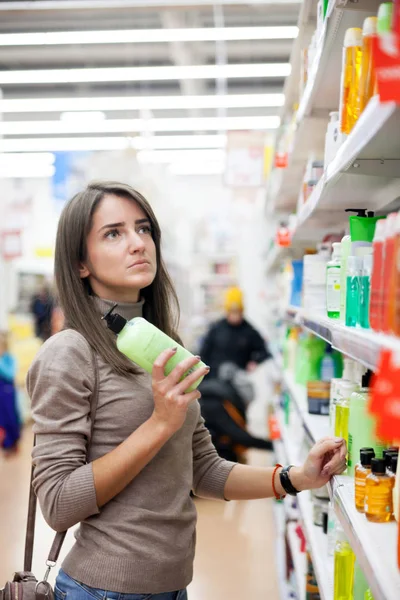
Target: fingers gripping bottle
point(143, 342)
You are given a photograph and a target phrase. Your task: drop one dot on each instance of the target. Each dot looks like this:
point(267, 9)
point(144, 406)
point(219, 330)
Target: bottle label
point(333, 290)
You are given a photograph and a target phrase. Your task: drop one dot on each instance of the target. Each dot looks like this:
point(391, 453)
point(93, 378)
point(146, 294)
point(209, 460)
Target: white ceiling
point(95, 15)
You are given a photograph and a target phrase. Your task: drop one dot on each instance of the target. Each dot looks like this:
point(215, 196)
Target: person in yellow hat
point(233, 339)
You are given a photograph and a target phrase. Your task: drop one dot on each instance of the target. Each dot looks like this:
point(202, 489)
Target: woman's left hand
point(325, 459)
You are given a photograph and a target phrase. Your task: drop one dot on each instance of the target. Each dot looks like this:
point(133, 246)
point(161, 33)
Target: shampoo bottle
point(142, 343)
point(344, 568)
point(378, 493)
point(376, 296)
point(354, 270)
point(362, 470)
point(333, 283)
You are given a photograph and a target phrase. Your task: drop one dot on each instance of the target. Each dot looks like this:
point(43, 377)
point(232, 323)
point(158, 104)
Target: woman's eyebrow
point(122, 224)
point(113, 225)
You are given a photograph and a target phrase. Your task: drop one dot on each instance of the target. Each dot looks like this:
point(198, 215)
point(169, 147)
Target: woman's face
point(121, 254)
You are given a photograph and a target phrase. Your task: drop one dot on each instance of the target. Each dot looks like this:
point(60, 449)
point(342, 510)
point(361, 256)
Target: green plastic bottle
point(354, 270)
point(333, 269)
point(365, 286)
point(361, 430)
point(142, 343)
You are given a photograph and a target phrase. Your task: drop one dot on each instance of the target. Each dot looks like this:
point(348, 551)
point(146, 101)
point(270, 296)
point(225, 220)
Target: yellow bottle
point(361, 472)
point(344, 568)
point(368, 74)
point(350, 82)
point(378, 505)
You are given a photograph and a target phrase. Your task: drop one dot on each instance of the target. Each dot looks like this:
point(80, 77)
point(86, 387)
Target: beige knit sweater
point(143, 540)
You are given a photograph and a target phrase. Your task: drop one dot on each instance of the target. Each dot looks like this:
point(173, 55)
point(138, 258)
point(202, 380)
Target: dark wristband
point(286, 483)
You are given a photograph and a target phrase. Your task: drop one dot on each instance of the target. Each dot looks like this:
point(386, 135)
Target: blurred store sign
point(245, 159)
point(70, 175)
point(11, 244)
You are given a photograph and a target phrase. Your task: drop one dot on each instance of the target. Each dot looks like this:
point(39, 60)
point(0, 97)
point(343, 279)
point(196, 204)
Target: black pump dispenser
point(114, 321)
point(361, 212)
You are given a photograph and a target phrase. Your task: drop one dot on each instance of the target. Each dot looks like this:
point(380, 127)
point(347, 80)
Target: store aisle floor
point(235, 540)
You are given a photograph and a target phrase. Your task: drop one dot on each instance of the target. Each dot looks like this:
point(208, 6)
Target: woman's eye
point(145, 229)
point(112, 234)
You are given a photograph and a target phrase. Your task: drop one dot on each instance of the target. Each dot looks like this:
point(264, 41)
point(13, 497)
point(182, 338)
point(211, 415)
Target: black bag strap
point(30, 528)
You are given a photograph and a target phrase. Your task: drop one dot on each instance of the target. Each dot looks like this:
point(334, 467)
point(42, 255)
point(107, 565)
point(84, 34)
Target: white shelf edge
point(374, 544)
point(299, 560)
point(362, 345)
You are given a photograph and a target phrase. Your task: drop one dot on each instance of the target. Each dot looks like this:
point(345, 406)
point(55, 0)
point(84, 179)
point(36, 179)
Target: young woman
point(128, 482)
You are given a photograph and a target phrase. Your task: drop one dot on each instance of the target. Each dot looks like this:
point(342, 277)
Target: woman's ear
point(83, 271)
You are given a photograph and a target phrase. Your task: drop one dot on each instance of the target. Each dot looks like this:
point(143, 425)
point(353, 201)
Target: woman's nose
point(136, 242)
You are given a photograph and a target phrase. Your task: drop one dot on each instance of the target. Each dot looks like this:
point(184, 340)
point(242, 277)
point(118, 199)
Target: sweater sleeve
point(210, 471)
point(60, 383)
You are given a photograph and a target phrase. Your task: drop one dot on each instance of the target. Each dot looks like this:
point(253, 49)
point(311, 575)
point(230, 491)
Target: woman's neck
point(128, 310)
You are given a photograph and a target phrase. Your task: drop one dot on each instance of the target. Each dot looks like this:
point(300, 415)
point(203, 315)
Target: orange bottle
point(378, 493)
point(350, 81)
point(368, 75)
point(361, 472)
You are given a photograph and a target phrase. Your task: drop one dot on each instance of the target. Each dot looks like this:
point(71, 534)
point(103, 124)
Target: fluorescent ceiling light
point(27, 158)
point(42, 76)
point(112, 143)
point(138, 125)
point(139, 103)
point(137, 36)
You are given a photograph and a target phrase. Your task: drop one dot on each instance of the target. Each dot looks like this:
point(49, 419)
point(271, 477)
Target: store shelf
point(362, 345)
point(374, 544)
point(318, 546)
point(321, 94)
point(364, 174)
point(299, 560)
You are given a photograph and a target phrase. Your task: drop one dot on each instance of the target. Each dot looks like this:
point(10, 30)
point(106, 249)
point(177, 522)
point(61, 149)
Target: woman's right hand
point(170, 400)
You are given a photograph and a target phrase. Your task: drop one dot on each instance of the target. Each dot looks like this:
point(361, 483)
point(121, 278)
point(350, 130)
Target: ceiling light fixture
point(140, 102)
point(145, 36)
point(129, 126)
point(165, 73)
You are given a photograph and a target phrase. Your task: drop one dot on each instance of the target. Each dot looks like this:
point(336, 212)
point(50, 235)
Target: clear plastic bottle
point(354, 270)
point(368, 75)
point(350, 81)
point(378, 493)
point(342, 410)
point(344, 568)
point(333, 283)
point(362, 470)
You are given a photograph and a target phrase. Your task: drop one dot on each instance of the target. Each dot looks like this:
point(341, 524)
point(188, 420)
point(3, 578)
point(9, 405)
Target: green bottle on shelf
point(354, 270)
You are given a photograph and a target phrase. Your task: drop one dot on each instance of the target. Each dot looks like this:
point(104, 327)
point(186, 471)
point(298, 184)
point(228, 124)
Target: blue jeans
point(67, 588)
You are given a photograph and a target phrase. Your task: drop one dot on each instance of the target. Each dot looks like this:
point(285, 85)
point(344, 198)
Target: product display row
point(334, 189)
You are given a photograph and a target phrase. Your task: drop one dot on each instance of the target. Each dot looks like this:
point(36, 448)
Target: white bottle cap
point(346, 388)
point(334, 116)
point(370, 26)
point(353, 37)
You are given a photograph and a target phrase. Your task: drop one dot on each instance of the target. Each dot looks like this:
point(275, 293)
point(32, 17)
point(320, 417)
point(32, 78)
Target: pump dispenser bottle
point(142, 343)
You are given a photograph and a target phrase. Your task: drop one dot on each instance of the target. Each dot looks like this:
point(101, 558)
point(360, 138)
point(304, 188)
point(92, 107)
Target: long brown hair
point(161, 305)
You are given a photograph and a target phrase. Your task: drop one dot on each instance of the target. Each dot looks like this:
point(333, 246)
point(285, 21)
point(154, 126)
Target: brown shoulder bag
point(24, 585)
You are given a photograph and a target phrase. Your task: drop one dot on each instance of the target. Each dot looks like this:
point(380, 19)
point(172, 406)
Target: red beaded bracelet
point(277, 496)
